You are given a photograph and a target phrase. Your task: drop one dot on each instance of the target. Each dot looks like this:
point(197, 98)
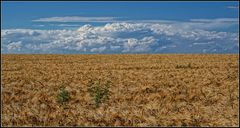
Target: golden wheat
point(147, 90)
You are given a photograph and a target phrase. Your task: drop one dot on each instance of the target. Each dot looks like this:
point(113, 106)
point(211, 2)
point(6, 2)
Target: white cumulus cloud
point(120, 38)
point(14, 46)
point(233, 7)
point(75, 19)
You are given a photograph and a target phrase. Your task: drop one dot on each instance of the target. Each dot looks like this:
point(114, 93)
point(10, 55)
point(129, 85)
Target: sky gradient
point(120, 27)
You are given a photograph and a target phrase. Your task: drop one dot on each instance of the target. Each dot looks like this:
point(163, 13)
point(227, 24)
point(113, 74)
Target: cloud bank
point(121, 37)
point(233, 7)
point(75, 19)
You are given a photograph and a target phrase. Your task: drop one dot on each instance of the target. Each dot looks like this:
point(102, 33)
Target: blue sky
point(120, 27)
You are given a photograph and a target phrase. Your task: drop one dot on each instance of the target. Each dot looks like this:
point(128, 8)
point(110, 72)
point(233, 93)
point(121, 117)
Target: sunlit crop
point(126, 90)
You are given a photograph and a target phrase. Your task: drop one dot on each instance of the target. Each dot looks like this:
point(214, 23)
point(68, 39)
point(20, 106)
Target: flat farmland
point(143, 90)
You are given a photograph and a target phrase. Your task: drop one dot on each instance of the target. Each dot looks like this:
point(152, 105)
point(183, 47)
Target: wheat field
point(145, 90)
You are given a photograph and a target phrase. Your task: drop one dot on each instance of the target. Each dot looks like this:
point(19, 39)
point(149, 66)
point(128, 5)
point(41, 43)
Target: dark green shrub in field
point(63, 96)
point(99, 92)
point(184, 66)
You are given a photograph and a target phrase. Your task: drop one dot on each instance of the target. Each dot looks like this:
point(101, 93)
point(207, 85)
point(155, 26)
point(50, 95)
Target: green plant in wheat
point(184, 66)
point(99, 92)
point(63, 95)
